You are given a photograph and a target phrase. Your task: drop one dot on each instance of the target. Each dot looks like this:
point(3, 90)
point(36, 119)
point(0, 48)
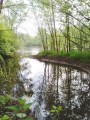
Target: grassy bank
point(77, 55)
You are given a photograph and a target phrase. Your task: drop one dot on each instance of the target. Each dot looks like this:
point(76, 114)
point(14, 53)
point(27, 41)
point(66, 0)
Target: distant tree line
point(27, 40)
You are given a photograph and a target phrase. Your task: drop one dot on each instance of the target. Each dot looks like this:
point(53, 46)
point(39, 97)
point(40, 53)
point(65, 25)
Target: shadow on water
point(10, 83)
point(53, 84)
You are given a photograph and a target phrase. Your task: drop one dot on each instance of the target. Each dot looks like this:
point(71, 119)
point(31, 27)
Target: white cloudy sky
point(29, 25)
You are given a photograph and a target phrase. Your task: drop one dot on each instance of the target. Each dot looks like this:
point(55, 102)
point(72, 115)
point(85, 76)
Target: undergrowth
point(78, 55)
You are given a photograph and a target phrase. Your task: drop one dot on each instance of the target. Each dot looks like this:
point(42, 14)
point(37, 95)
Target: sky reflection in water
point(53, 84)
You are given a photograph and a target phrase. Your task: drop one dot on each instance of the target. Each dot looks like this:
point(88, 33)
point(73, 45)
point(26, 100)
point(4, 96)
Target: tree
point(1, 5)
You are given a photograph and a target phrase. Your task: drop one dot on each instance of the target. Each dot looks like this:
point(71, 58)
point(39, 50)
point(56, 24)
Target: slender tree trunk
point(68, 33)
point(46, 39)
point(1, 4)
point(54, 26)
point(80, 40)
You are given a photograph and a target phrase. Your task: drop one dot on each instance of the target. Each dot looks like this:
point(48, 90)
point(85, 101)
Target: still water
point(47, 84)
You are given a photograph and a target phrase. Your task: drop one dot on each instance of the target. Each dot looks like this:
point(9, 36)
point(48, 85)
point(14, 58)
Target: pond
point(47, 84)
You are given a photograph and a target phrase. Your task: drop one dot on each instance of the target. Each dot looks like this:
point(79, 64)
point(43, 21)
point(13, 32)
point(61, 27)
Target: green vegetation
point(8, 75)
point(19, 109)
point(77, 55)
point(26, 40)
point(56, 111)
point(8, 40)
point(13, 15)
point(63, 26)
point(4, 100)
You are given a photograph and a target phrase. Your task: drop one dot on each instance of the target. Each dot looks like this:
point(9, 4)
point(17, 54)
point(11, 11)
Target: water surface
point(54, 84)
point(47, 84)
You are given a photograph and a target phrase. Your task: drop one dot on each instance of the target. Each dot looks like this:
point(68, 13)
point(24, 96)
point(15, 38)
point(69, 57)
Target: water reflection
point(9, 79)
point(54, 84)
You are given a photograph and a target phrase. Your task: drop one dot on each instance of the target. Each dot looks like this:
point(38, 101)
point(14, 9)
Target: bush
point(1, 59)
point(6, 49)
point(78, 55)
point(18, 109)
point(48, 53)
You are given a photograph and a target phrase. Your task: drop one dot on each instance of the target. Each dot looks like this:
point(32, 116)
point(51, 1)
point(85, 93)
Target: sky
point(28, 26)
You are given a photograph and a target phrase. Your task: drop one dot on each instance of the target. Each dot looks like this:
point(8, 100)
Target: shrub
point(78, 55)
point(17, 111)
point(6, 49)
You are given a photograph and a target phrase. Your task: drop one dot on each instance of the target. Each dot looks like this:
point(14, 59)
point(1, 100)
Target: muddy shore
point(65, 61)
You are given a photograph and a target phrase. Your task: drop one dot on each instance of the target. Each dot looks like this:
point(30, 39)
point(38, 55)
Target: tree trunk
point(1, 4)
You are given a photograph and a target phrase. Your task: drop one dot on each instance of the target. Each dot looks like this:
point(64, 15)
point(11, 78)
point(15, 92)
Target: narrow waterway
point(47, 84)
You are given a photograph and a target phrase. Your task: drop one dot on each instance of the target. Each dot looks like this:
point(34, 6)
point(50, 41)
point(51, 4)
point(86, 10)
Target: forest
point(53, 84)
point(64, 26)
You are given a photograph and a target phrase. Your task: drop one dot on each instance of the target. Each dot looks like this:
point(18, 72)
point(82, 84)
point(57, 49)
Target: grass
point(77, 55)
point(48, 53)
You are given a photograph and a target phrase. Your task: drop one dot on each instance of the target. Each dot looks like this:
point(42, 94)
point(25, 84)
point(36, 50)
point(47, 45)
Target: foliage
point(1, 59)
point(27, 40)
point(6, 33)
point(63, 26)
point(8, 75)
point(78, 55)
point(8, 41)
point(5, 117)
point(4, 99)
point(20, 110)
point(48, 53)
point(55, 111)
point(6, 49)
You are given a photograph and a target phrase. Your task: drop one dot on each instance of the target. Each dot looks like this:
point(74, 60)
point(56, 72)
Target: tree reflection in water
point(50, 84)
point(66, 87)
point(9, 80)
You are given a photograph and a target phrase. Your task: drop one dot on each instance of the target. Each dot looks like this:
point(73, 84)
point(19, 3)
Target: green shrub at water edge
point(16, 111)
point(1, 59)
point(47, 53)
point(4, 99)
point(6, 49)
point(79, 55)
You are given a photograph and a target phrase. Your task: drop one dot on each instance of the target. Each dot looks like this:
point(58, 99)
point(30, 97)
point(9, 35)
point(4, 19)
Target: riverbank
point(65, 61)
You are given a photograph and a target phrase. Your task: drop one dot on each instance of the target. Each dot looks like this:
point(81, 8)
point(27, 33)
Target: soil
point(65, 61)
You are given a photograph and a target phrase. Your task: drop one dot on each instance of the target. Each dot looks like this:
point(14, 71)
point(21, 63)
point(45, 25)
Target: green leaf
point(27, 106)
point(21, 115)
point(15, 108)
point(53, 111)
point(54, 107)
point(29, 119)
point(5, 117)
point(60, 108)
point(21, 101)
